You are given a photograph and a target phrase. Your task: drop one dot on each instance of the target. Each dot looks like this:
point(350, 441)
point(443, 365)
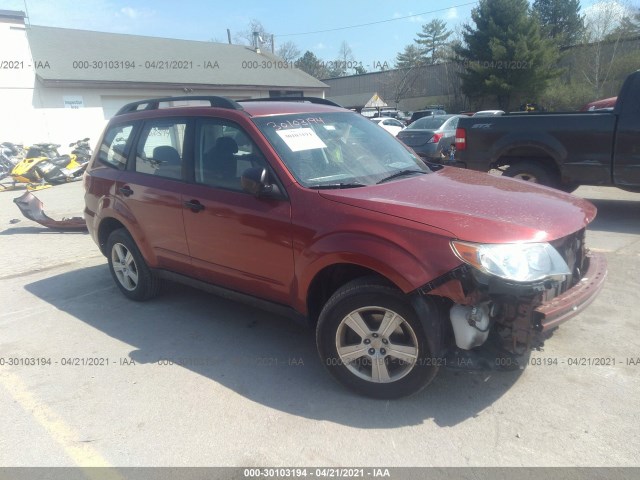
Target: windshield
point(429, 123)
point(337, 149)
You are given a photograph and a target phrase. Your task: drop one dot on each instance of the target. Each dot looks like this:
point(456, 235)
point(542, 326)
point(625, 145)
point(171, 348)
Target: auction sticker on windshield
point(299, 139)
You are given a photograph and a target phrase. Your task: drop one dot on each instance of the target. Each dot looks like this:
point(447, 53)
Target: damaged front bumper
point(570, 303)
point(512, 317)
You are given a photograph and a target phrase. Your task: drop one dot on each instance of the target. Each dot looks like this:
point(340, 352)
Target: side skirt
point(272, 307)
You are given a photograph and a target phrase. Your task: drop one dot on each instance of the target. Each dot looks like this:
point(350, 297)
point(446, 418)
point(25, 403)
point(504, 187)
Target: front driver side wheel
point(371, 340)
point(128, 268)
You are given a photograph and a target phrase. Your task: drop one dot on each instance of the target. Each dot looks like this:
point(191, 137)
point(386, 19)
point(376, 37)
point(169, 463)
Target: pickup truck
point(561, 150)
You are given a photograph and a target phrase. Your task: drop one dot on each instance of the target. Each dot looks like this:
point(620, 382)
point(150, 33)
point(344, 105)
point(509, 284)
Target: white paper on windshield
point(299, 139)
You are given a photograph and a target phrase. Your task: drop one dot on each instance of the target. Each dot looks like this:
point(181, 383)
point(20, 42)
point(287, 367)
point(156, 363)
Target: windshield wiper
point(337, 185)
point(401, 173)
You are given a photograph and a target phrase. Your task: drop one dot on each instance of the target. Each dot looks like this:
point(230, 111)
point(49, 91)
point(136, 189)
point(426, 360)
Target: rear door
point(626, 160)
point(151, 189)
point(236, 240)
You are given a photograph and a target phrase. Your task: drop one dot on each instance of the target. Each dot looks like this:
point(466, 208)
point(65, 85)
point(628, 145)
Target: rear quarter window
point(113, 150)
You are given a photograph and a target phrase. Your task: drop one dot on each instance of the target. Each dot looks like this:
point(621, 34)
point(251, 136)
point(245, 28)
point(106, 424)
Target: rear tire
point(371, 340)
point(532, 172)
point(128, 268)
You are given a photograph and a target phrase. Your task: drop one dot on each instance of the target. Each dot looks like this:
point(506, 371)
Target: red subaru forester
point(308, 209)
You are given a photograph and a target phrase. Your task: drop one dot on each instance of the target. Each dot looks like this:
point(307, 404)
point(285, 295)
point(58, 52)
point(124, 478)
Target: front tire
point(532, 172)
point(371, 340)
point(128, 268)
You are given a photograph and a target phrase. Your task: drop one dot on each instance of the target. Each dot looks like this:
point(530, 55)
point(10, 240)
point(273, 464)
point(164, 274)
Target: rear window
point(429, 123)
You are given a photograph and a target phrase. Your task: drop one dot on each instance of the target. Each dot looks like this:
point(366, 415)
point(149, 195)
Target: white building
point(58, 85)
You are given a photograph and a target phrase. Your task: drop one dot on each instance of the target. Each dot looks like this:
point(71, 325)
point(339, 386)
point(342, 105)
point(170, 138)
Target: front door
point(235, 239)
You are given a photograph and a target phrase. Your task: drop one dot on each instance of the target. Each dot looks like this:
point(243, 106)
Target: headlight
point(520, 262)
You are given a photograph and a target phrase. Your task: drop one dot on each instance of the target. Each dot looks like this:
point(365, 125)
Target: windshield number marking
point(297, 123)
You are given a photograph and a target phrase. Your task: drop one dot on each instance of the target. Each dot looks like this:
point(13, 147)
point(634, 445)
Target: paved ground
point(251, 390)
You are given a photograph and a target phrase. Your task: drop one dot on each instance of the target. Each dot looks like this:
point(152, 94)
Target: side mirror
point(255, 181)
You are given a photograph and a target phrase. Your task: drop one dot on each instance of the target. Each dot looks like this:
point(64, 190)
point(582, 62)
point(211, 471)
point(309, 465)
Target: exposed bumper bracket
point(573, 301)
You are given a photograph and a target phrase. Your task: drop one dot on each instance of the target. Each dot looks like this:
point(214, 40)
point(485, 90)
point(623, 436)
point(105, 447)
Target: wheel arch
point(339, 258)
point(111, 223)
point(330, 278)
point(536, 146)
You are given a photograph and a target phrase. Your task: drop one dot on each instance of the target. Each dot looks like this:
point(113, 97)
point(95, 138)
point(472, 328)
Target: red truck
point(310, 210)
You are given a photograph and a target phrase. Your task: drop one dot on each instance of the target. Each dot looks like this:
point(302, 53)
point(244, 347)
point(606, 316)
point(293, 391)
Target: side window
point(223, 151)
point(160, 148)
point(113, 149)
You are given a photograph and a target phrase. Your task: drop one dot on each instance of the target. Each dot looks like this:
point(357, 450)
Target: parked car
point(303, 208)
point(562, 150)
point(391, 125)
point(431, 137)
point(418, 114)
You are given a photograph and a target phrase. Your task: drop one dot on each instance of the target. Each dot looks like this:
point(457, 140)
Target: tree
point(288, 51)
point(629, 25)
point(432, 40)
point(245, 37)
point(309, 63)
point(409, 58)
point(505, 55)
point(359, 70)
point(343, 63)
point(560, 20)
point(597, 58)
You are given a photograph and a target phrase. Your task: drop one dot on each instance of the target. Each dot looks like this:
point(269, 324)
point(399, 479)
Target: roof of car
point(253, 108)
point(383, 118)
point(260, 109)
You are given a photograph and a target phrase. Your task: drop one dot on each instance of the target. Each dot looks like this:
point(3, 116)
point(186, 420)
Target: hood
point(474, 206)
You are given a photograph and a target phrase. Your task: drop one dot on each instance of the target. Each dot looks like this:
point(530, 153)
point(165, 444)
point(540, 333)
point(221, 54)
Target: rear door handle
point(194, 205)
point(126, 190)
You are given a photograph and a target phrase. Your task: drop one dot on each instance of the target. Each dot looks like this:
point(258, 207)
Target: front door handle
point(126, 190)
point(194, 205)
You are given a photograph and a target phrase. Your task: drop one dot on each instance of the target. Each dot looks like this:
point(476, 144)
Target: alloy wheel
point(377, 344)
point(124, 266)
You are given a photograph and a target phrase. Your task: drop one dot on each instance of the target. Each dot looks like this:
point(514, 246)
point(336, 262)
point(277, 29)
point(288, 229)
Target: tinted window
point(428, 123)
point(113, 149)
point(160, 148)
point(223, 151)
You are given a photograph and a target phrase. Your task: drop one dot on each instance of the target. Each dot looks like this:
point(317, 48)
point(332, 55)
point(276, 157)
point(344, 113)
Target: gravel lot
point(250, 389)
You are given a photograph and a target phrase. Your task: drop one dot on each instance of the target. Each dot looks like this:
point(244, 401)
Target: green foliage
point(432, 40)
point(564, 96)
point(411, 57)
point(505, 56)
point(560, 20)
point(312, 65)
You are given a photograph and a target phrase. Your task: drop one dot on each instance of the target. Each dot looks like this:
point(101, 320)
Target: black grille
point(572, 250)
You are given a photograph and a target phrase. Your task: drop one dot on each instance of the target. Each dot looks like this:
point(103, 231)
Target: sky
point(372, 45)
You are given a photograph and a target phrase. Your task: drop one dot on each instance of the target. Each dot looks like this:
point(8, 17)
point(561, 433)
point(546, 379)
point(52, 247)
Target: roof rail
point(321, 101)
point(154, 103)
